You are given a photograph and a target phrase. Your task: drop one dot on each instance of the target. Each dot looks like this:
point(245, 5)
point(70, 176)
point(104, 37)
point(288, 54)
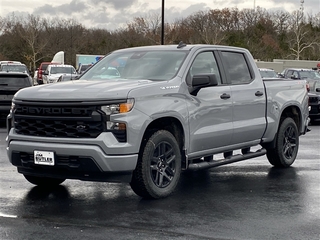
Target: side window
point(289, 74)
point(295, 75)
point(236, 67)
point(204, 63)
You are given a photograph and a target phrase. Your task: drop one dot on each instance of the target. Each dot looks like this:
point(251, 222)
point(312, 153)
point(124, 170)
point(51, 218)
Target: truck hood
point(81, 90)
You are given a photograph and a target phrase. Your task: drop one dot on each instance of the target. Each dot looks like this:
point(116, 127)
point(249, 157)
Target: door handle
point(225, 96)
point(258, 93)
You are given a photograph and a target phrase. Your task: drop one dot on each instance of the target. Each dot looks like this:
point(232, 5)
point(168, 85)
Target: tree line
point(267, 35)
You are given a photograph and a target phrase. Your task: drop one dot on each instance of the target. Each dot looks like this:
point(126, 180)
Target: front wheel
point(287, 144)
point(159, 166)
point(44, 181)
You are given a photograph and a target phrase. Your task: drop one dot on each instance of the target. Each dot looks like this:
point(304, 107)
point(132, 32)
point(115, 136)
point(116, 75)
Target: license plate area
point(43, 158)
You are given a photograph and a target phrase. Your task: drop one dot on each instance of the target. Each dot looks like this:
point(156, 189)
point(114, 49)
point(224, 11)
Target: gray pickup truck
point(144, 115)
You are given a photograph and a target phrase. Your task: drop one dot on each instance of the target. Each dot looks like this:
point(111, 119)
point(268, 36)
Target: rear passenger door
point(248, 97)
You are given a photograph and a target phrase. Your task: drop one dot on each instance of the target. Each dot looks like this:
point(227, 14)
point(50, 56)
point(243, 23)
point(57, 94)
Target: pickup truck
point(145, 115)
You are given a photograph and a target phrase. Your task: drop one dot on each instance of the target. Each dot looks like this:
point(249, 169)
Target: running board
point(231, 159)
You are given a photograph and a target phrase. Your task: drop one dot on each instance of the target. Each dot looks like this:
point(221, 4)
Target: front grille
point(314, 109)
point(59, 121)
point(313, 99)
point(58, 128)
point(5, 103)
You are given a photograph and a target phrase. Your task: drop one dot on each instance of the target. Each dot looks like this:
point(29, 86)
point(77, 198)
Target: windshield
point(310, 75)
point(55, 70)
point(151, 65)
point(268, 74)
point(14, 68)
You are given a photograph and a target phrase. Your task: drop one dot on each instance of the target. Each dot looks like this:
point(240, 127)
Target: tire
point(287, 144)
point(159, 166)
point(44, 181)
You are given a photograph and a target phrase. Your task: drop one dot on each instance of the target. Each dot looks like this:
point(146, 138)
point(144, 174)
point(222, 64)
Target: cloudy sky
point(113, 14)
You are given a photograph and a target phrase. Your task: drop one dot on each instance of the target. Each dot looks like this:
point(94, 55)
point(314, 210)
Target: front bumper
point(76, 160)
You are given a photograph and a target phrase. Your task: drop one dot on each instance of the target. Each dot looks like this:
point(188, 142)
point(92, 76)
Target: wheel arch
point(291, 111)
point(171, 124)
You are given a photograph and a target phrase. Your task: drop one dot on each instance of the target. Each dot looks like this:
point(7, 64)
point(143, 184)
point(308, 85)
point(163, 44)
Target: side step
point(231, 159)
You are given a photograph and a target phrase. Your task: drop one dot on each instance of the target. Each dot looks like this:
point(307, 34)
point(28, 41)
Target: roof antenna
point(181, 44)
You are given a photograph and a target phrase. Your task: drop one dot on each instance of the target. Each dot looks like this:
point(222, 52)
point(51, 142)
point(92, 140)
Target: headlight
point(118, 108)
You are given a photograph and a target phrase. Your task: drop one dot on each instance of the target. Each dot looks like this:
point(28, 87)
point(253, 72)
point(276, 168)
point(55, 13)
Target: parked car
point(10, 83)
point(83, 67)
point(53, 72)
point(43, 66)
point(67, 77)
point(314, 101)
point(268, 73)
point(300, 73)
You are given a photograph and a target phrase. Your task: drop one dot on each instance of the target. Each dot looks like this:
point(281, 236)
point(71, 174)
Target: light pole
point(162, 23)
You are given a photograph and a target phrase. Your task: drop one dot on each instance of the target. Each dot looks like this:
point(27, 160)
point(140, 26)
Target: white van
point(53, 72)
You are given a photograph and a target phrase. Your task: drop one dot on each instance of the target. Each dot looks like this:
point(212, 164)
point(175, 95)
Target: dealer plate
point(44, 158)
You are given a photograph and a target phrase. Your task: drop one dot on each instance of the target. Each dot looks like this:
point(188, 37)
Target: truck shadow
point(221, 192)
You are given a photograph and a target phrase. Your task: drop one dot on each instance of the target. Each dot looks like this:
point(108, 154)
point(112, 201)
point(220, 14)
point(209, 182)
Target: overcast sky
point(113, 14)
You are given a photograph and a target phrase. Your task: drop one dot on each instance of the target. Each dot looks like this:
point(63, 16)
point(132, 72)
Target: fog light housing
point(116, 126)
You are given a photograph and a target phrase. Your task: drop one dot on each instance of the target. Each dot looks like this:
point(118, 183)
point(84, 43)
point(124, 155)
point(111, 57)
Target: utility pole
point(162, 23)
point(301, 9)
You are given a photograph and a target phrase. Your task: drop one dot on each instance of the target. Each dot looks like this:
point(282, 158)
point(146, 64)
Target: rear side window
point(44, 66)
point(236, 67)
point(14, 81)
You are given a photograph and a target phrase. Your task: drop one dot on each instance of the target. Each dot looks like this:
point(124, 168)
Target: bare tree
point(149, 27)
point(301, 39)
point(31, 31)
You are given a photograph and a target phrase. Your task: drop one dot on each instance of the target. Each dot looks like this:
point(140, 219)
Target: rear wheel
point(44, 181)
point(287, 144)
point(159, 166)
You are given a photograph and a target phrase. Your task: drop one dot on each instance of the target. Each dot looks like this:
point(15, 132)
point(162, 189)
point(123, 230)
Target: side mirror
point(317, 89)
point(204, 80)
point(201, 81)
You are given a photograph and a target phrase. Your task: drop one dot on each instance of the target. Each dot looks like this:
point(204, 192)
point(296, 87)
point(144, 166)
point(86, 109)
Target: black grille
point(313, 99)
point(5, 103)
point(59, 121)
point(315, 109)
point(58, 128)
